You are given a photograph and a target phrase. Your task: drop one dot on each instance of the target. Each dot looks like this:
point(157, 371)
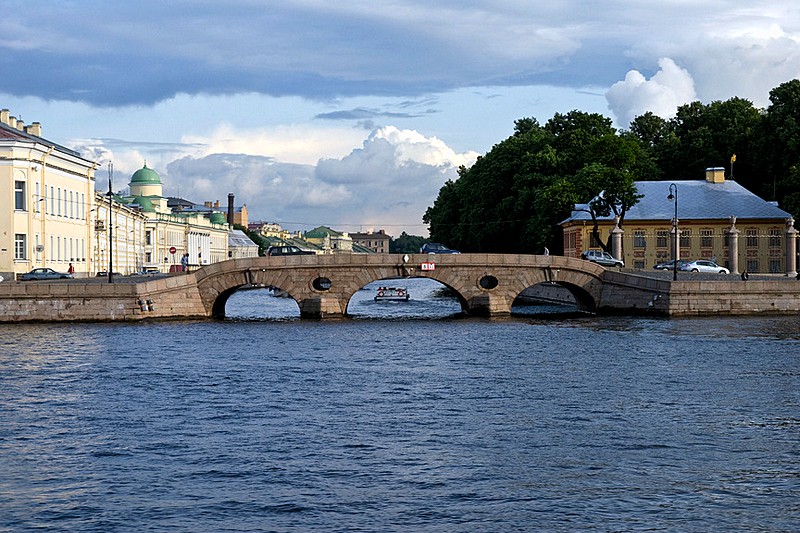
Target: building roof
point(238, 239)
point(145, 176)
point(14, 134)
point(697, 200)
point(322, 231)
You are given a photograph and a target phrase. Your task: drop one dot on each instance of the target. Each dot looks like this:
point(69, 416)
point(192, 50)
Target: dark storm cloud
point(110, 53)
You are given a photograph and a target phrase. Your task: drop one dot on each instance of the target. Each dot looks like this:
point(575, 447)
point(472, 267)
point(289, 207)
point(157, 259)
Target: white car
point(701, 265)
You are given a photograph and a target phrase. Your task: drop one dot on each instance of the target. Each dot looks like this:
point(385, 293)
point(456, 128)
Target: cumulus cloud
point(387, 183)
point(669, 88)
point(302, 144)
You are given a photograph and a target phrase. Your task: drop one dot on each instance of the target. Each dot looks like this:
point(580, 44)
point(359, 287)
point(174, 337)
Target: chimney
point(216, 204)
point(4, 116)
point(34, 129)
point(12, 121)
point(715, 175)
point(230, 208)
point(208, 204)
point(21, 125)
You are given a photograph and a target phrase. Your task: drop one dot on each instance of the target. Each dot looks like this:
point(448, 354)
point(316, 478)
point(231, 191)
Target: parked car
point(44, 273)
point(287, 250)
point(602, 258)
point(702, 265)
point(436, 248)
point(668, 265)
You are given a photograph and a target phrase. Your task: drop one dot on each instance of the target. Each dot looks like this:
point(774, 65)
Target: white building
point(170, 234)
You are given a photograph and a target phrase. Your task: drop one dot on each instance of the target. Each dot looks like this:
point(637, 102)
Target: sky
point(353, 114)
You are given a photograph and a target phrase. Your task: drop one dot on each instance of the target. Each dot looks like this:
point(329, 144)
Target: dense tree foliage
point(406, 244)
point(513, 197)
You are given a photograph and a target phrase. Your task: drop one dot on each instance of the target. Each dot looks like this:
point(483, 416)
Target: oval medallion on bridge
point(488, 282)
point(321, 284)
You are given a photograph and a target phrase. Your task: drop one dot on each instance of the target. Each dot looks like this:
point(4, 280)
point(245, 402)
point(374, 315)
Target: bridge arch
point(485, 284)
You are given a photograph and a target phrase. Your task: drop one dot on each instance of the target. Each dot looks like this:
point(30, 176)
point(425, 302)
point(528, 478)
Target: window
point(661, 238)
point(19, 195)
point(36, 207)
point(20, 241)
point(639, 240)
point(706, 240)
point(52, 202)
point(686, 238)
point(148, 257)
point(752, 265)
point(148, 237)
point(71, 206)
point(774, 238)
point(775, 266)
point(752, 238)
point(59, 201)
point(595, 242)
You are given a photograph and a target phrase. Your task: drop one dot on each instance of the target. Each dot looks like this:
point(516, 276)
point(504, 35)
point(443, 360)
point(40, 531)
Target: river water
point(403, 418)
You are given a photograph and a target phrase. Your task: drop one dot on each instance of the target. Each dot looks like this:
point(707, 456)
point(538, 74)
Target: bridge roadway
point(322, 285)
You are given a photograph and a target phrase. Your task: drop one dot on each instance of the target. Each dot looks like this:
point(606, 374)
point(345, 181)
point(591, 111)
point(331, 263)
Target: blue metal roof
point(697, 200)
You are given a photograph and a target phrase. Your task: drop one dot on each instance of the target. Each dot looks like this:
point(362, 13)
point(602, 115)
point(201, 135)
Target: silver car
point(703, 265)
point(602, 258)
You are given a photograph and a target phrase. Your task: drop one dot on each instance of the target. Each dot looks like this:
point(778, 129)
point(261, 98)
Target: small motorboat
point(391, 294)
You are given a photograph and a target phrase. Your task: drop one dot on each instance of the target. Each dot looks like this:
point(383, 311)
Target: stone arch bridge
point(485, 284)
point(322, 285)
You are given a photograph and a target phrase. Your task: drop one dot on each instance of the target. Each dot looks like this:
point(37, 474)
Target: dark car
point(44, 273)
point(668, 265)
point(436, 248)
point(287, 250)
point(602, 258)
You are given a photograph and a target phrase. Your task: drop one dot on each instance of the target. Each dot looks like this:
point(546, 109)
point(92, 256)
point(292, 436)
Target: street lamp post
point(110, 225)
point(673, 196)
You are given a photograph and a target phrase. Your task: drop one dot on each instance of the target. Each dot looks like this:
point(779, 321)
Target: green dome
point(217, 218)
point(145, 176)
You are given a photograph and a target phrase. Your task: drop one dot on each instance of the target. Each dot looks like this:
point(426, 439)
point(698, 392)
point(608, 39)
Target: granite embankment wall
point(91, 300)
point(779, 296)
point(178, 297)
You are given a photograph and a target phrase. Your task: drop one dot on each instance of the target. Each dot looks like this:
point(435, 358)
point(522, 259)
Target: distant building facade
point(240, 245)
point(329, 241)
point(377, 242)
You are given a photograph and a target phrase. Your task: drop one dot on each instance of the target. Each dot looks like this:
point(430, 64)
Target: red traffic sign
point(428, 266)
point(172, 250)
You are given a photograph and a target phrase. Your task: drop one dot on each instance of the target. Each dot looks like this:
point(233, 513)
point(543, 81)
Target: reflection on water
point(429, 299)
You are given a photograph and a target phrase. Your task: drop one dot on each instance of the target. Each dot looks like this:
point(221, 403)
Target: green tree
point(406, 244)
point(779, 147)
point(513, 197)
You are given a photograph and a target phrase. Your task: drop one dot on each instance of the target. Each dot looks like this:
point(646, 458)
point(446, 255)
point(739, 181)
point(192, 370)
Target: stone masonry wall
point(92, 301)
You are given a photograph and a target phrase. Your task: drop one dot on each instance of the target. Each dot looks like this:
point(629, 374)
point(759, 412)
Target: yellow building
point(46, 197)
point(716, 219)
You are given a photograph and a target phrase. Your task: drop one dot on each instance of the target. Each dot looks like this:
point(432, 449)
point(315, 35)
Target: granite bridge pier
point(322, 286)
